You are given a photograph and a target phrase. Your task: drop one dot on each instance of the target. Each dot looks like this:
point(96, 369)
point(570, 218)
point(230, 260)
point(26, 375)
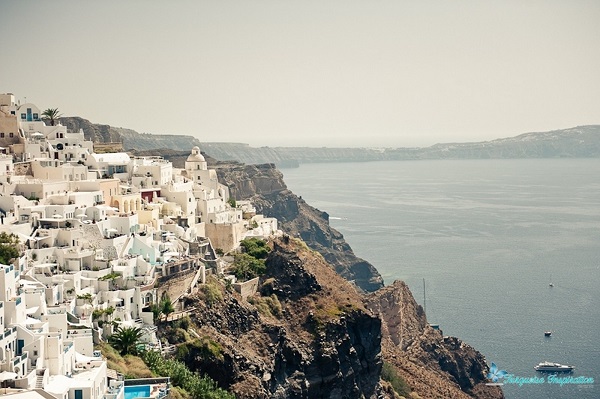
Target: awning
point(8, 375)
point(79, 358)
point(26, 237)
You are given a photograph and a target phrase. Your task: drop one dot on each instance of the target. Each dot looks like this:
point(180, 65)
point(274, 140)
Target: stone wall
point(247, 288)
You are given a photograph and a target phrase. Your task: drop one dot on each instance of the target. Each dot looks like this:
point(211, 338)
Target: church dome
point(196, 156)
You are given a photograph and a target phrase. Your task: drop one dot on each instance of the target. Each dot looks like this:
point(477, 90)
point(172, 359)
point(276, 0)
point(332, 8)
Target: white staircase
point(39, 382)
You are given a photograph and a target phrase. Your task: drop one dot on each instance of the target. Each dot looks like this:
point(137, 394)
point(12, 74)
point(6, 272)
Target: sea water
point(487, 237)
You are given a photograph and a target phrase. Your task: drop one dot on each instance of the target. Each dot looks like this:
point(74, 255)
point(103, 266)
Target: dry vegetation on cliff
point(325, 340)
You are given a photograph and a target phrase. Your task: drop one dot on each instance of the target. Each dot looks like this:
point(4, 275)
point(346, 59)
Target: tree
point(166, 306)
point(255, 247)
point(125, 340)
point(8, 248)
point(52, 115)
point(246, 267)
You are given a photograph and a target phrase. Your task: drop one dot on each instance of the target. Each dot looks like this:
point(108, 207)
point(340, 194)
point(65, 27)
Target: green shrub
point(8, 248)
point(199, 387)
point(267, 305)
point(178, 336)
point(389, 374)
point(208, 348)
point(212, 293)
point(255, 247)
point(246, 267)
point(183, 323)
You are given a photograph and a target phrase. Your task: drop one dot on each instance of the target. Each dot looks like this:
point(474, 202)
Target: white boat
point(553, 367)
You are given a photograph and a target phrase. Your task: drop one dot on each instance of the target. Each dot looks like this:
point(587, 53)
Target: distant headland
point(575, 142)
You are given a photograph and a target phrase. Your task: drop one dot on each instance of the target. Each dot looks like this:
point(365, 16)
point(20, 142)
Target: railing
point(9, 331)
point(82, 332)
point(19, 359)
point(147, 381)
point(113, 392)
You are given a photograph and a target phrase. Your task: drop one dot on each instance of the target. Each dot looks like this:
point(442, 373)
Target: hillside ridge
point(575, 142)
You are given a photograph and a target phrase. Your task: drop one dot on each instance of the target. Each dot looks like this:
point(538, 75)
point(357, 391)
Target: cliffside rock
point(264, 186)
point(325, 344)
point(433, 365)
point(129, 138)
point(91, 131)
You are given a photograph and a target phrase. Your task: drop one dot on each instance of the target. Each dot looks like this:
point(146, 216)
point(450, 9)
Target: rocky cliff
point(308, 333)
point(264, 186)
point(129, 138)
point(434, 365)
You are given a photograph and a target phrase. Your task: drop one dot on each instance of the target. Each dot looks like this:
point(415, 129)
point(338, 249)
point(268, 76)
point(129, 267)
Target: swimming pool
point(137, 391)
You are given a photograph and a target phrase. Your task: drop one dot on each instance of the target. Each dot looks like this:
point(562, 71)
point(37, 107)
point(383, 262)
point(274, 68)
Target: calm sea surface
point(488, 237)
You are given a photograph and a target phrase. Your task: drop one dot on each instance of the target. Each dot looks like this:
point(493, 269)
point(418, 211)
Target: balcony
point(18, 360)
point(8, 331)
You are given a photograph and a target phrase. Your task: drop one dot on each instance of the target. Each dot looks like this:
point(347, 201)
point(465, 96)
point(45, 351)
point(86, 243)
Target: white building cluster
point(98, 233)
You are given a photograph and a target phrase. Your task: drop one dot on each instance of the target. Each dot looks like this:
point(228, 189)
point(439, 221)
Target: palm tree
point(166, 306)
point(125, 340)
point(52, 115)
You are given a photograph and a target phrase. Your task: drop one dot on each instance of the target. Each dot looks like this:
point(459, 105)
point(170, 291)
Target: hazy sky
point(310, 73)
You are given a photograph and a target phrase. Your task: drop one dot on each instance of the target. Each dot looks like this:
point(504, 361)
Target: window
point(23, 116)
point(36, 116)
point(11, 134)
point(1, 135)
point(34, 353)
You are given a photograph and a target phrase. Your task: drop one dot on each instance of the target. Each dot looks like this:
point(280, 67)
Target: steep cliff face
point(131, 139)
point(91, 131)
point(434, 366)
point(322, 344)
point(320, 338)
point(264, 186)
